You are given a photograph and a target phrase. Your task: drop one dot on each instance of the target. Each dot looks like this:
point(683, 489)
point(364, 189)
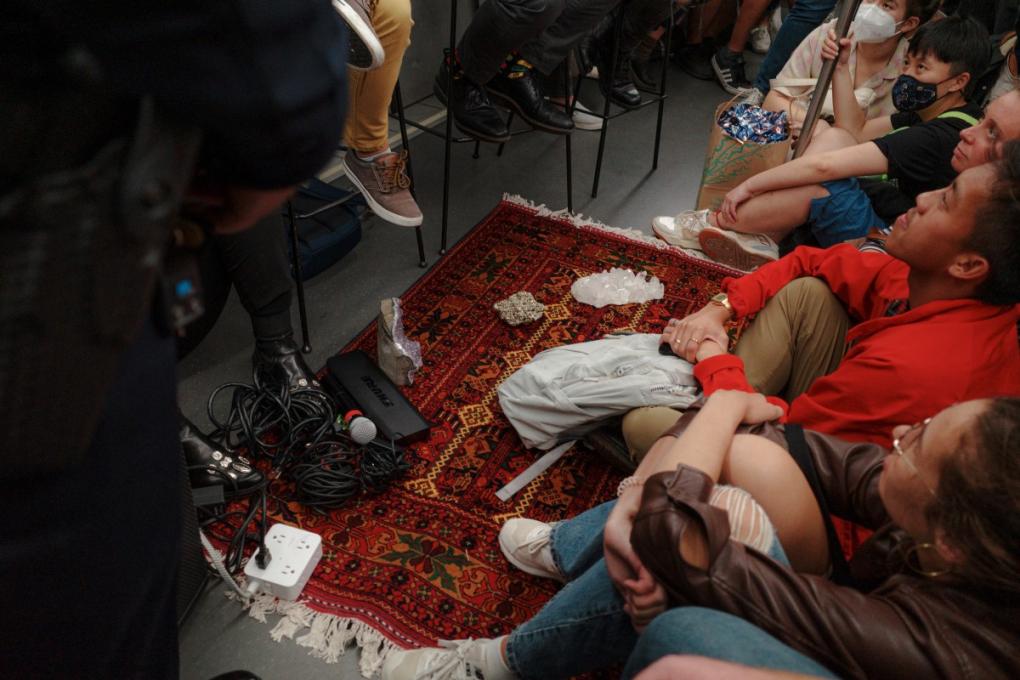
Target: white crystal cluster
point(617, 287)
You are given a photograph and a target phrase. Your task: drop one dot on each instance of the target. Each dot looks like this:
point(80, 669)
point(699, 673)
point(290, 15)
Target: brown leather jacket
point(897, 626)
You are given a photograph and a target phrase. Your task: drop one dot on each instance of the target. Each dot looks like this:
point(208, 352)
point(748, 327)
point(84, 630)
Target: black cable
point(296, 432)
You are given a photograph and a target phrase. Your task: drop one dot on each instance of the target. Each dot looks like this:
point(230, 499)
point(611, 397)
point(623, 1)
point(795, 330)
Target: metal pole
point(847, 10)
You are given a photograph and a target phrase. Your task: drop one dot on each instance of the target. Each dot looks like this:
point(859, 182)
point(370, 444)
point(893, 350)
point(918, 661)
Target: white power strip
point(293, 555)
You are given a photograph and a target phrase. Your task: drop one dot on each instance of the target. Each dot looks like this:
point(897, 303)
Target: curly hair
point(977, 504)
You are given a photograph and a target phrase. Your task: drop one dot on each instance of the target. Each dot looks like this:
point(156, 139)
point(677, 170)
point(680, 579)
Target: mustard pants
point(369, 92)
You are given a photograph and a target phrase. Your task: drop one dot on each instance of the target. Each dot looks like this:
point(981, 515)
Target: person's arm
point(684, 542)
point(861, 283)
point(864, 284)
point(846, 109)
point(707, 440)
point(855, 161)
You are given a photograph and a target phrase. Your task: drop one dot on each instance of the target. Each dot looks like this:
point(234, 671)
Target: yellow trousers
point(369, 92)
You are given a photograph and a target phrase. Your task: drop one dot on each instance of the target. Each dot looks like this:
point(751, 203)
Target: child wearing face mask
point(876, 55)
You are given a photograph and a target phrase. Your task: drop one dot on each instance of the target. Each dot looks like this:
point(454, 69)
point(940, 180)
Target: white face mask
point(873, 24)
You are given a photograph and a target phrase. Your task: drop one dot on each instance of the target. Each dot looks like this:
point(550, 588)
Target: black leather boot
point(208, 466)
point(616, 84)
point(473, 113)
point(518, 89)
point(278, 361)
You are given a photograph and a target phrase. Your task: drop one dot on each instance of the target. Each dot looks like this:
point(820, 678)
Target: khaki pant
point(367, 127)
point(799, 336)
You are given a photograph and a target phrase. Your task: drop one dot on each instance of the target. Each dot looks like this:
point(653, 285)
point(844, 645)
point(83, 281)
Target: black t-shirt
point(919, 159)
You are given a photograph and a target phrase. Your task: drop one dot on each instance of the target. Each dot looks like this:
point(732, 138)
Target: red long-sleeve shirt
point(899, 369)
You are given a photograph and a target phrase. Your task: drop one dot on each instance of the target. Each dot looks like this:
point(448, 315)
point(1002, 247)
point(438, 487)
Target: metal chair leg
point(449, 127)
point(398, 102)
point(662, 90)
point(605, 111)
point(299, 284)
point(509, 122)
point(568, 104)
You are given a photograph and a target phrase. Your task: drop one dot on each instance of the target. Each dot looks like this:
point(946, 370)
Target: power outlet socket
point(294, 553)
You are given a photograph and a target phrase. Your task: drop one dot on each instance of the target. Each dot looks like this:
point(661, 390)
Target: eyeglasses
point(900, 450)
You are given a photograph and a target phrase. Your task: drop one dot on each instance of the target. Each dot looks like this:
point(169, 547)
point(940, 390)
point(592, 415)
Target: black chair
point(658, 97)
point(449, 138)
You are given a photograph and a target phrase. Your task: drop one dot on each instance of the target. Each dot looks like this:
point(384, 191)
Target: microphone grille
point(362, 430)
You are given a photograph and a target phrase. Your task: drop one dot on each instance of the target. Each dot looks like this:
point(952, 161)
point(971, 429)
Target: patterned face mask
point(910, 94)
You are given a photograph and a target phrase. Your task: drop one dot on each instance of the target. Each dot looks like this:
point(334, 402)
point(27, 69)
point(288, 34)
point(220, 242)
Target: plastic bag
point(399, 357)
point(617, 287)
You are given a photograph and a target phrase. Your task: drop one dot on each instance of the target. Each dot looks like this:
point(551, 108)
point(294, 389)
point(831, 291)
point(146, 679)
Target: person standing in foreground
point(106, 107)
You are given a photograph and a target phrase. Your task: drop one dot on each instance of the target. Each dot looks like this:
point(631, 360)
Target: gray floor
point(218, 637)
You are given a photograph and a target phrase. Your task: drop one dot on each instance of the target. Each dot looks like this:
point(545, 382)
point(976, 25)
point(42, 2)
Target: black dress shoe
point(520, 91)
point(616, 84)
point(278, 361)
point(208, 466)
point(473, 113)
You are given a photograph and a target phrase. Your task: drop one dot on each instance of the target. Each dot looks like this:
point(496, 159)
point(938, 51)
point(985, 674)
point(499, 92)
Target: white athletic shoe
point(740, 251)
point(683, 229)
point(526, 545)
point(584, 119)
point(453, 660)
point(761, 40)
point(364, 51)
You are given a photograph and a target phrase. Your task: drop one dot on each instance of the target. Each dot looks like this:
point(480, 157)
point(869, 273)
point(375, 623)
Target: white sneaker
point(683, 229)
point(761, 40)
point(740, 251)
point(453, 660)
point(753, 98)
point(526, 545)
point(584, 119)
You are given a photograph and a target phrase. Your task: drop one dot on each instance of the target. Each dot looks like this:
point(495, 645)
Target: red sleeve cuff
point(726, 372)
point(722, 372)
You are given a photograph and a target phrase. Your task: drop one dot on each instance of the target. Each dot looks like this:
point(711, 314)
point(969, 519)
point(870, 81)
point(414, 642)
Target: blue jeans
point(845, 214)
point(584, 628)
point(804, 17)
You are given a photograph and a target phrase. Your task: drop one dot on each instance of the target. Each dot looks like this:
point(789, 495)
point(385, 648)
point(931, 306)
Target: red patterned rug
point(421, 562)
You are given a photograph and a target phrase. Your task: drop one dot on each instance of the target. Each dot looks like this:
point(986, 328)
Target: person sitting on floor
point(943, 61)
point(822, 189)
point(860, 342)
point(874, 61)
point(499, 53)
point(661, 571)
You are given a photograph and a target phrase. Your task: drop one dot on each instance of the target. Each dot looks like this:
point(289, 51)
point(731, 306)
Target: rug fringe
point(328, 637)
point(629, 233)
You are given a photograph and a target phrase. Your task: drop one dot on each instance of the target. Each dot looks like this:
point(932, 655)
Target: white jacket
point(564, 392)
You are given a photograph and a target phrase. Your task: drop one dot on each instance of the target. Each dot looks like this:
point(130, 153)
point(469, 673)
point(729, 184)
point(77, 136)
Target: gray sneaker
point(386, 186)
point(364, 51)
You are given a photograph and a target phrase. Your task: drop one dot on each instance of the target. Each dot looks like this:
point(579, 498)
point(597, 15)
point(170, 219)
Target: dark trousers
point(255, 262)
point(88, 556)
point(544, 31)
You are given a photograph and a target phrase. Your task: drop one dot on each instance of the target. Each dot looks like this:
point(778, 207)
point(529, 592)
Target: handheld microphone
point(361, 429)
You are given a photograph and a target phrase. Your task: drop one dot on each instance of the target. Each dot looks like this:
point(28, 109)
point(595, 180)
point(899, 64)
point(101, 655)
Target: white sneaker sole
point(388, 215)
point(528, 569)
point(364, 32)
point(673, 239)
point(725, 250)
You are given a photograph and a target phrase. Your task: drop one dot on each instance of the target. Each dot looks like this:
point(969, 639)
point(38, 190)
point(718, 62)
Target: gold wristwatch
point(724, 300)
